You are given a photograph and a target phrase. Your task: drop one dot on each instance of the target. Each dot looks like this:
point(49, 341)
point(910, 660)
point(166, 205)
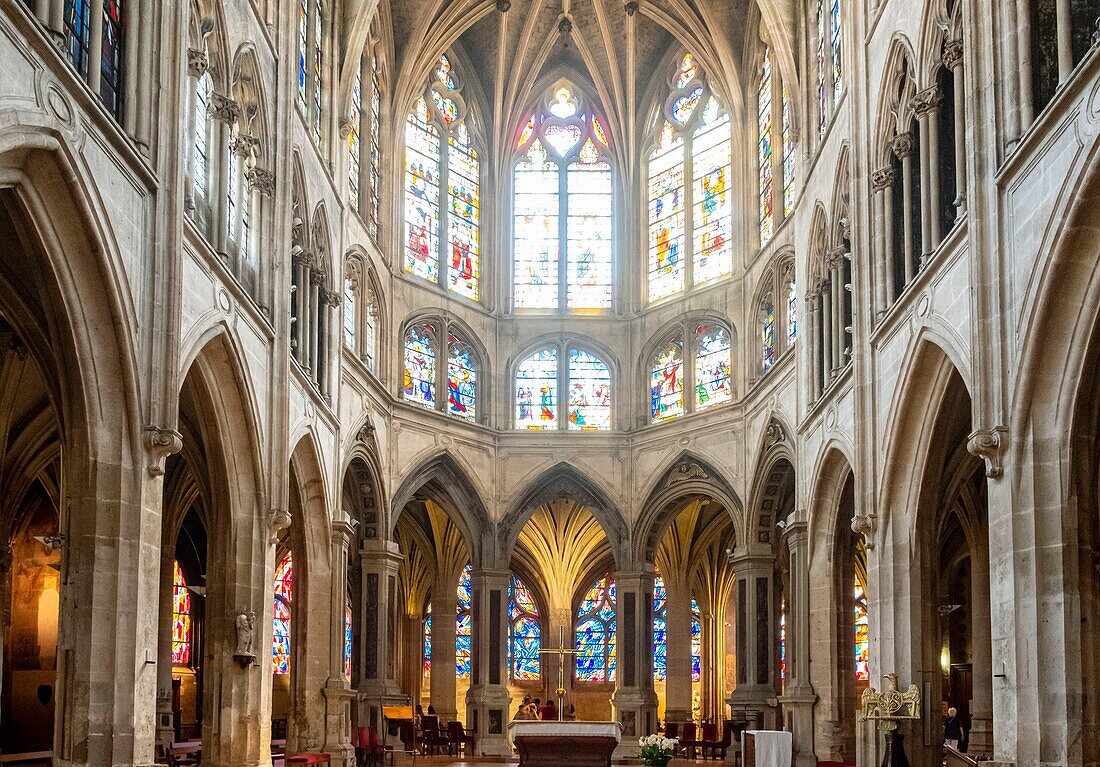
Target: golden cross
point(561, 652)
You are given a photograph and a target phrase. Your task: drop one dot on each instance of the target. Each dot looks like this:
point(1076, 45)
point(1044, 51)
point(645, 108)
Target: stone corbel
point(990, 445)
point(224, 108)
point(773, 435)
point(159, 444)
point(865, 525)
point(277, 521)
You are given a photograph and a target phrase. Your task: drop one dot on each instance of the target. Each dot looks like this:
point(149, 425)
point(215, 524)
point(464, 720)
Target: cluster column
point(678, 651)
point(488, 702)
point(753, 697)
point(635, 702)
point(377, 682)
point(444, 630)
point(927, 107)
point(882, 184)
point(337, 690)
point(798, 696)
point(952, 60)
point(903, 149)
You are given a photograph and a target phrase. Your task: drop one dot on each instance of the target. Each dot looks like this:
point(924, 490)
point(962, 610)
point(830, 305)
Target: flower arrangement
point(657, 750)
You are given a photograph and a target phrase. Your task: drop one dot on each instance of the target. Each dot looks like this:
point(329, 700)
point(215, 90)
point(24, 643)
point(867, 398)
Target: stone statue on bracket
point(246, 626)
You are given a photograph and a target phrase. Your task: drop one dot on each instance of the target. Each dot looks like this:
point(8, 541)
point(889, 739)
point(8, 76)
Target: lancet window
point(364, 137)
point(828, 55)
point(595, 644)
point(361, 314)
point(524, 633)
point(563, 200)
point(181, 618)
point(284, 599)
point(563, 367)
point(435, 350)
point(442, 244)
point(313, 34)
point(778, 313)
point(83, 37)
point(689, 187)
point(464, 625)
point(660, 634)
point(677, 388)
point(776, 168)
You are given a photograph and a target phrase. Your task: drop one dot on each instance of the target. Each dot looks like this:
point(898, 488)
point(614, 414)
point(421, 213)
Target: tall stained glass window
point(284, 598)
point(836, 49)
point(355, 119)
point(464, 625)
point(829, 57)
point(428, 641)
point(764, 153)
point(303, 51)
point(427, 361)
point(783, 645)
point(788, 157)
point(792, 309)
point(375, 147)
point(370, 333)
point(696, 642)
point(524, 633)
point(351, 302)
point(318, 23)
point(78, 29)
point(769, 347)
point(689, 187)
point(112, 62)
point(707, 376)
point(824, 93)
point(348, 640)
point(595, 644)
point(862, 636)
point(660, 630)
point(586, 378)
point(562, 208)
point(442, 245)
point(200, 143)
point(181, 618)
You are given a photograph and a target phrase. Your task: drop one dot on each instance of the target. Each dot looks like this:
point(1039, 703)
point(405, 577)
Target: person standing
point(952, 729)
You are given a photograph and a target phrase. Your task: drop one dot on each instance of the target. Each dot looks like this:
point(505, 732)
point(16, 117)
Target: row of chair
point(704, 740)
point(433, 738)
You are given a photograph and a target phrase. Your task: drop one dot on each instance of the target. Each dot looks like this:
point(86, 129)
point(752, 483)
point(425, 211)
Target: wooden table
point(577, 744)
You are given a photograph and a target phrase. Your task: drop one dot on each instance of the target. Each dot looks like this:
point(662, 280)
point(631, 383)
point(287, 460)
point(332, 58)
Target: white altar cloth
point(774, 748)
point(538, 728)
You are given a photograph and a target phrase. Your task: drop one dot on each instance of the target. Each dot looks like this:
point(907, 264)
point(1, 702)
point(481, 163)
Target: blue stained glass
point(422, 148)
point(596, 633)
point(589, 392)
point(428, 641)
point(660, 631)
point(303, 49)
point(524, 633)
point(667, 381)
point(537, 391)
point(347, 641)
point(461, 380)
point(77, 32)
point(464, 625)
point(280, 634)
point(696, 642)
point(712, 366)
point(418, 384)
point(767, 332)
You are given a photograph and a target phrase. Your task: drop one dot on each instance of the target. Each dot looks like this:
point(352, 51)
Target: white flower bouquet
point(657, 750)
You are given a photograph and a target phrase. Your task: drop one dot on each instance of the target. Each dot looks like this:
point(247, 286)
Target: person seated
point(549, 712)
point(523, 711)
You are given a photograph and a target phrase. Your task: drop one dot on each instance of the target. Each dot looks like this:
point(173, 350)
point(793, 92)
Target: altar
point(552, 744)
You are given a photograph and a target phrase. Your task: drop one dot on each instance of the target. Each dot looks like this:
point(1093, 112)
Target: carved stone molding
point(261, 180)
point(902, 145)
point(317, 277)
point(365, 433)
point(224, 108)
point(990, 445)
point(834, 259)
point(865, 525)
point(197, 62)
point(159, 444)
point(927, 100)
point(277, 521)
point(684, 472)
point(883, 178)
point(953, 53)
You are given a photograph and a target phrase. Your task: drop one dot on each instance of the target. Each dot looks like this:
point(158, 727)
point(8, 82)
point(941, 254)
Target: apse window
point(584, 377)
point(435, 351)
point(442, 188)
point(689, 187)
point(677, 388)
point(563, 196)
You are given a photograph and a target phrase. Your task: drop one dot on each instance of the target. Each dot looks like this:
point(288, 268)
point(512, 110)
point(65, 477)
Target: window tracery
point(464, 627)
point(777, 313)
point(541, 376)
point(82, 36)
point(829, 59)
point(708, 345)
point(360, 313)
point(562, 208)
point(435, 350)
point(689, 183)
point(776, 175)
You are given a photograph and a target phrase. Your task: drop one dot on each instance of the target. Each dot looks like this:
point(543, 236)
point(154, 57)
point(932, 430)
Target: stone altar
point(578, 744)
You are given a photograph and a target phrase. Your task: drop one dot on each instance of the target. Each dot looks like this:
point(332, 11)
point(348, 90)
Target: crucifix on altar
point(561, 652)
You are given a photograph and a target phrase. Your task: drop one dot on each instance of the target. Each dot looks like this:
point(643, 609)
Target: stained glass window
point(660, 630)
point(284, 598)
point(667, 381)
point(113, 54)
point(428, 641)
point(355, 117)
point(524, 633)
point(767, 332)
point(792, 311)
point(712, 366)
point(204, 88)
point(370, 338)
point(703, 137)
point(764, 154)
point(823, 92)
point(537, 391)
point(837, 51)
point(433, 165)
point(464, 625)
point(350, 303)
point(461, 379)
point(589, 392)
point(181, 618)
point(563, 199)
point(596, 633)
point(419, 377)
point(348, 639)
point(696, 642)
point(783, 645)
point(303, 50)
point(78, 26)
point(318, 65)
point(375, 146)
point(862, 639)
point(788, 157)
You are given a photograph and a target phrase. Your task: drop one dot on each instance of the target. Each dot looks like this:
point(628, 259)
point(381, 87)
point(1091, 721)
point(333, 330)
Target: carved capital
point(243, 144)
point(277, 521)
point(316, 277)
point(159, 444)
point(224, 109)
point(990, 445)
point(197, 62)
point(504, 5)
point(630, 7)
point(345, 129)
point(953, 54)
point(927, 100)
point(883, 178)
point(331, 298)
point(902, 145)
point(834, 258)
point(865, 525)
point(261, 180)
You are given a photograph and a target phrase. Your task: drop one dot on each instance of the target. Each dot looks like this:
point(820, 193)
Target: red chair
point(671, 728)
point(719, 748)
point(689, 742)
point(460, 739)
point(310, 758)
point(710, 737)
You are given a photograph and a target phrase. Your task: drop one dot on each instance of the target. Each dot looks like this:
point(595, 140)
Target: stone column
point(444, 628)
point(953, 59)
point(56, 14)
point(1064, 16)
point(754, 694)
point(635, 702)
point(927, 106)
point(825, 289)
point(798, 697)
point(678, 652)
point(488, 703)
point(337, 691)
point(903, 149)
point(95, 48)
point(812, 320)
point(225, 112)
point(981, 704)
point(377, 682)
point(836, 265)
point(882, 182)
point(1022, 38)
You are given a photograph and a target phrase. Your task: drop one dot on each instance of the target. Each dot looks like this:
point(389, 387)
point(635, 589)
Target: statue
point(245, 623)
point(888, 708)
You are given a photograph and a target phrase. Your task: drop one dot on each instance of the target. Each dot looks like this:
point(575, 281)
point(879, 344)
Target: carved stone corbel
point(773, 435)
point(277, 521)
point(159, 444)
point(990, 445)
point(865, 525)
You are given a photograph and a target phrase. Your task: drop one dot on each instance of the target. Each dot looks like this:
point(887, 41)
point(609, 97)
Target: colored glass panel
point(767, 332)
point(78, 28)
point(537, 391)
point(688, 71)
point(536, 248)
point(666, 216)
point(598, 131)
point(589, 392)
point(667, 381)
point(443, 72)
point(284, 598)
point(419, 378)
point(375, 147)
point(445, 107)
point(564, 105)
point(318, 65)
point(822, 70)
point(421, 195)
point(428, 641)
point(788, 157)
point(463, 191)
point(590, 232)
point(348, 639)
point(862, 636)
point(792, 312)
point(595, 640)
point(303, 49)
point(370, 339)
point(764, 152)
point(562, 137)
point(461, 380)
point(660, 630)
point(712, 366)
point(837, 42)
point(696, 642)
point(350, 301)
point(355, 115)
point(524, 633)
point(684, 106)
point(204, 88)
point(464, 625)
point(711, 169)
point(783, 645)
point(111, 62)
point(181, 618)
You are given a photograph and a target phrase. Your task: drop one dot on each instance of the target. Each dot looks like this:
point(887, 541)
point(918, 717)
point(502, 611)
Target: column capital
point(953, 54)
point(197, 62)
point(260, 180)
point(747, 561)
point(925, 102)
point(380, 554)
point(797, 531)
point(243, 144)
point(902, 145)
point(224, 109)
point(883, 178)
point(343, 528)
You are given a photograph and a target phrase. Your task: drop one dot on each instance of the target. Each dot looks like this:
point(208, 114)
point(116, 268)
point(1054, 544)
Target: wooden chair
point(671, 728)
point(689, 742)
point(460, 739)
point(718, 748)
point(436, 741)
point(709, 738)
